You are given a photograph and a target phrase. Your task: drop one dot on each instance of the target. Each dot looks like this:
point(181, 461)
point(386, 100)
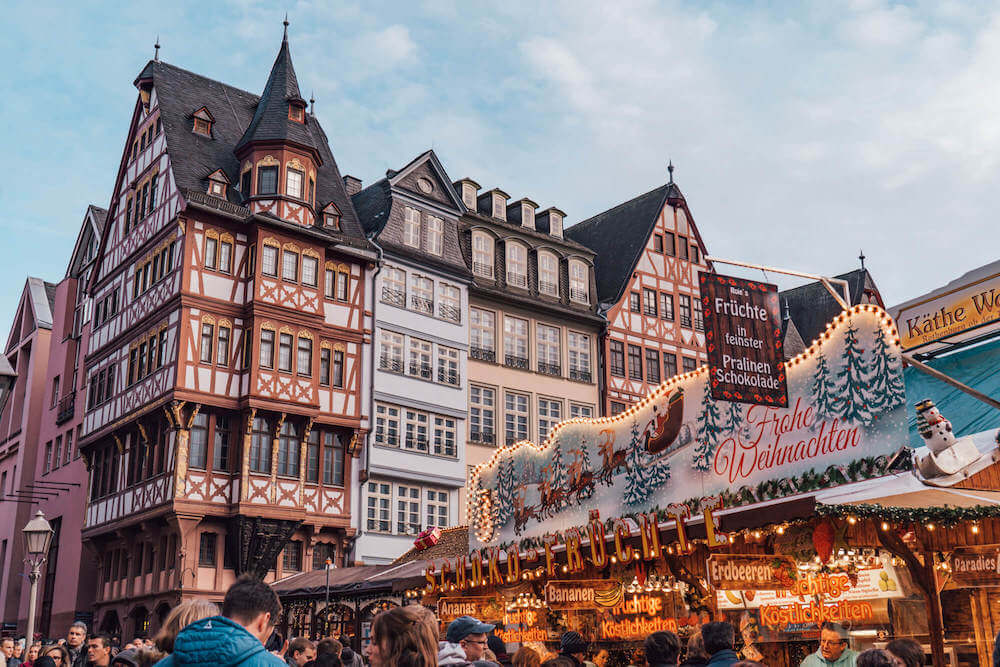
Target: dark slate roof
point(100, 216)
point(811, 306)
point(618, 235)
point(193, 156)
point(373, 205)
point(270, 120)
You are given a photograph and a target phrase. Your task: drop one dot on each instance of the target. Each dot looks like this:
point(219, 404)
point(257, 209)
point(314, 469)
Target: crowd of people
point(197, 633)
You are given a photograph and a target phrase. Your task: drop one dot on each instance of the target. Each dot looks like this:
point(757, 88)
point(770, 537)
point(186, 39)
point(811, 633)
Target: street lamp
point(326, 609)
point(37, 536)
point(7, 377)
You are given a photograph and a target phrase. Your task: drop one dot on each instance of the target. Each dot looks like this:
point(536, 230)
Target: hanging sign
point(976, 566)
point(746, 359)
point(583, 594)
point(739, 572)
point(485, 608)
point(971, 302)
point(867, 584)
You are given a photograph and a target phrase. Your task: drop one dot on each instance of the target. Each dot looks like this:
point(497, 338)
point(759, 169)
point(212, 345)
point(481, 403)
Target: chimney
point(468, 190)
point(352, 184)
point(550, 221)
point(522, 212)
point(493, 203)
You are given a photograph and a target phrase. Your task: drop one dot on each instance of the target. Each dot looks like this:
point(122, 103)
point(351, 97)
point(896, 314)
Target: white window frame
point(445, 441)
point(411, 227)
point(483, 413)
point(499, 206)
point(578, 346)
point(483, 329)
point(286, 255)
point(548, 273)
point(415, 424)
point(275, 257)
point(483, 247)
point(581, 411)
point(422, 294)
point(394, 280)
point(517, 265)
point(449, 302)
point(514, 416)
point(448, 366)
point(515, 342)
point(420, 359)
point(310, 271)
point(435, 235)
point(387, 425)
point(211, 252)
point(555, 225)
point(547, 345)
point(379, 501)
point(579, 281)
point(436, 499)
point(293, 182)
point(405, 502)
point(527, 216)
point(550, 413)
point(391, 351)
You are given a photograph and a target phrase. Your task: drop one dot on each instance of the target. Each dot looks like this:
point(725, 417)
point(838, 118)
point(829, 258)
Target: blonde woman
point(402, 637)
point(180, 617)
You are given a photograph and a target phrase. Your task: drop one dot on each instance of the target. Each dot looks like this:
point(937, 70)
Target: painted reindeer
point(614, 459)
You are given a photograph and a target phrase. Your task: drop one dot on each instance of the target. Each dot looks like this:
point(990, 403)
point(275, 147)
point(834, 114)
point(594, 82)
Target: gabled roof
point(193, 156)
point(270, 119)
point(811, 305)
point(618, 235)
point(39, 298)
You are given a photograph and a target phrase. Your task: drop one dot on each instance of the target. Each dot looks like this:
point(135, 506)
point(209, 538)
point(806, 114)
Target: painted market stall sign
point(738, 572)
point(976, 566)
point(866, 584)
point(584, 594)
point(845, 417)
point(485, 608)
point(523, 625)
point(941, 316)
point(743, 340)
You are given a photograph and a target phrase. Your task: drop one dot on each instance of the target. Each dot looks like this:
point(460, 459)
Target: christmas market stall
point(756, 489)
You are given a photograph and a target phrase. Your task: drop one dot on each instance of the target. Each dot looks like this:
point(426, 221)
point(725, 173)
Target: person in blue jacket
point(249, 612)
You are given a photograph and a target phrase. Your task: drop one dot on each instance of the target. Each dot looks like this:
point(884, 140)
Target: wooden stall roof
point(905, 490)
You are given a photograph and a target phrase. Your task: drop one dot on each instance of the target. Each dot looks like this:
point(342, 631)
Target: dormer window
point(203, 122)
point(296, 112)
point(527, 215)
point(499, 206)
point(331, 217)
point(217, 183)
point(555, 225)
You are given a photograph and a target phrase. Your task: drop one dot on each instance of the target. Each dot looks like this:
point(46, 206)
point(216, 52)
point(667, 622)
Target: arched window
point(579, 281)
point(482, 254)
point(517, 265)
point(548, 273)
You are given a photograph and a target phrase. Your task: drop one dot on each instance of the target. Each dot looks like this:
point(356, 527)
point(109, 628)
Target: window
point(56, 452)
point(517, 265)
point(579, 282)
point(303, 364)
point(394, 287)
point(482, 334)
point(333, 459)
point(649, 302)
point(548, 274)
point(699, 316)
point(211, 252)
point(420, 358)
point(260, 446)
point(343, 280)
point(415, 428)
point(685, 307)
point(482, 254)
point(198, 443)
point(411, 227)
point(47, 463)
point(688, 364)
point(391, 352)
point(482, 414)
point(515, 342)
point(310, 271)
point(202, 126)
point(580, 411)
point(634, 362)
point(669, 247)
point(269, 261)
point(444, 435)
point(245, 183)
point(515, 417)
point(694, 253)
point(291, 557)
point(449, 302)
point(667, 306)
point(329, 283)
point(293, 182)
point(499, 207)
point(222, 348)
point(266, 348)
point(407, 509)
point(296, 113)
point(683, 247)
point(338, 368)
point(435, 235)
point(207, 334)
point(387, 425)
point(267, 180)
point(285, 352)
point(669, 365)
point(547, 349)
point(616, 353)
point(633, 302)
point(68, 452)
point(658, 242)
point(653, 366)
point(289, 265)
point(312, 456)
point(55, 391)
point(447, 365)
point(422, 294)
point(617, 408)
point(379, 504)
point(226, 257)
point(322, 553)
point(549, 414)
point(206, 549)
point(436, 509)
point(288, 450)
point(579, 356)
point(221, 444)
point(324, 366)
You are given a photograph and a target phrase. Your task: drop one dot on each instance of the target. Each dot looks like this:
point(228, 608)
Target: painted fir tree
point(557, 469)
point(886, 378)
point(710, 427)
point(823, 389)
point(645, 473)
point(734, 417)
point(506, 484)
point(852, 381)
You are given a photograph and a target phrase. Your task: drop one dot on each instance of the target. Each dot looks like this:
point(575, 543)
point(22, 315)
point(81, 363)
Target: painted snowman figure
point(945, 454)
point(935, 429)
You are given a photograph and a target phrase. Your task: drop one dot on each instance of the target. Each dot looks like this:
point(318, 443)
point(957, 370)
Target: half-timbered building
point(648, 255)
point(224, 389)
point(415, 460)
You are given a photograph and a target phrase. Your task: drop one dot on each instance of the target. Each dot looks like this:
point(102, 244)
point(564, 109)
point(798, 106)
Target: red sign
point(743, 340)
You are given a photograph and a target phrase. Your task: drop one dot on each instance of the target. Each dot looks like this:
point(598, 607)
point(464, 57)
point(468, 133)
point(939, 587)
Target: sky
point(801, 132)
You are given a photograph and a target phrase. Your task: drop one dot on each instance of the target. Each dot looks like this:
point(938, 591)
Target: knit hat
point(572, 642)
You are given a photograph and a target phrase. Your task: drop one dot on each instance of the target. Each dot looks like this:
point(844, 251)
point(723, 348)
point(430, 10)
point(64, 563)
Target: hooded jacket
point(451, 654)
point(219, 641)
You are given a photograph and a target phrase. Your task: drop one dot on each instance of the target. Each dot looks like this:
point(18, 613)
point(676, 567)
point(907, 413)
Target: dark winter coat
point(219, 641)
point(723, 658)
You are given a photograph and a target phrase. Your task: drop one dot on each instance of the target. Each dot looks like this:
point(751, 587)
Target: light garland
point(929, 517)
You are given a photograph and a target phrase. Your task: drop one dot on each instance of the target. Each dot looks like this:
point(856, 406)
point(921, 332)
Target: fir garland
point(945, 516)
